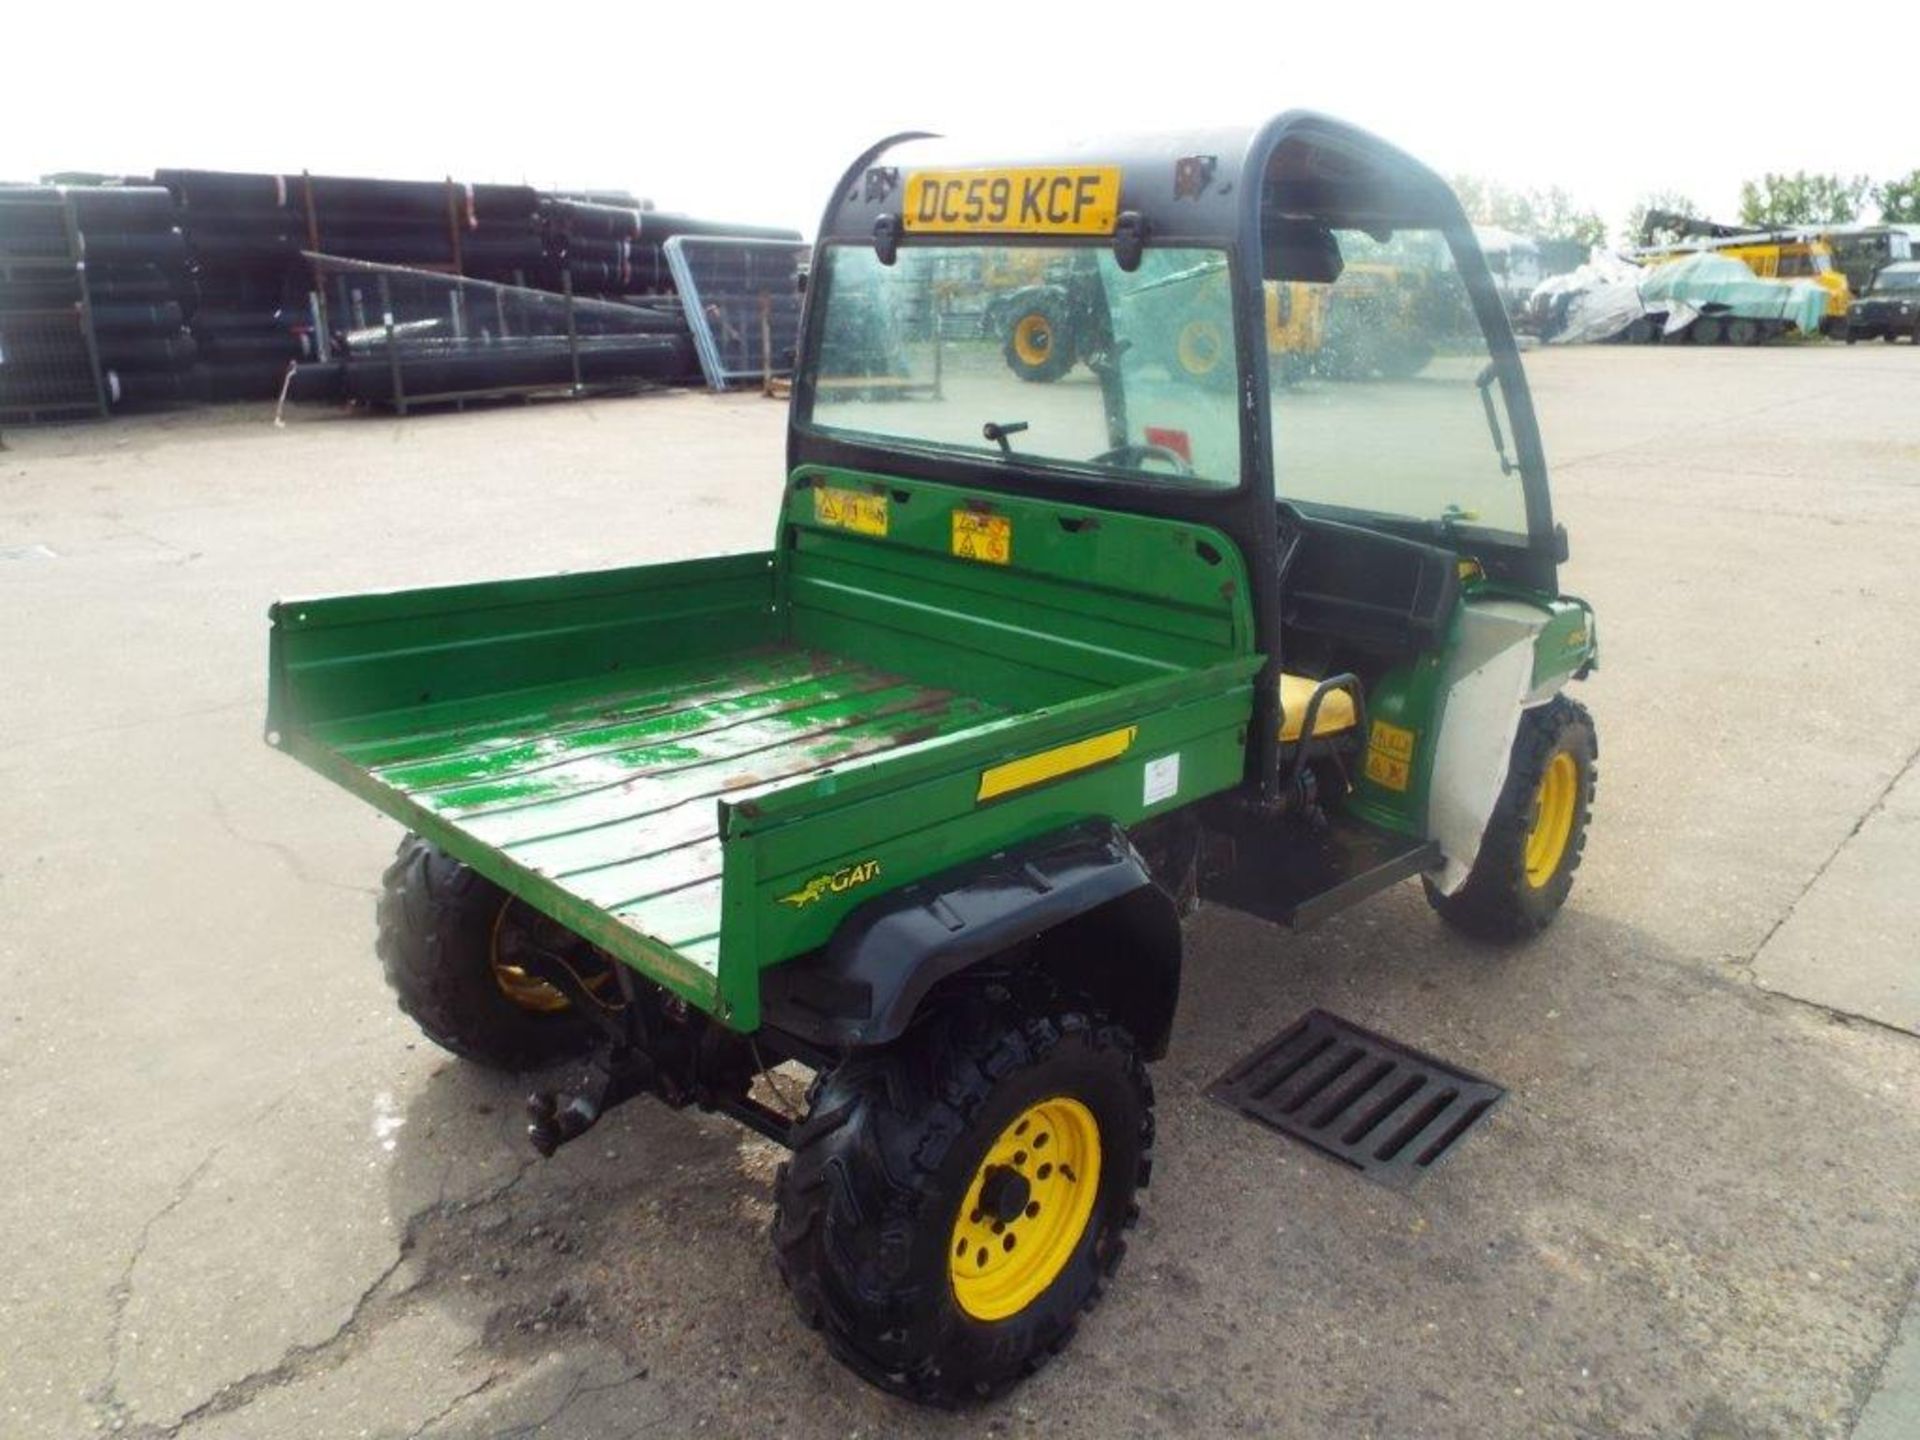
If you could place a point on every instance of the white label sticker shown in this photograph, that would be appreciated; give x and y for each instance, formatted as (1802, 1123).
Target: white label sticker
(1163, 779)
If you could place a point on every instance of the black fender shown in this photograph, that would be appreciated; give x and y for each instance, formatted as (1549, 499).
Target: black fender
(1083, 899)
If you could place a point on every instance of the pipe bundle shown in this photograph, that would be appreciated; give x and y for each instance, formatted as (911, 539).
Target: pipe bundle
(205, 289)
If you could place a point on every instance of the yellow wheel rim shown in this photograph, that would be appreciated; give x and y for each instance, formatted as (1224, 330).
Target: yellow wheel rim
(1033, 339)
(1199, 347)
(527, 991)
(1026, 1209)
(1554, 804)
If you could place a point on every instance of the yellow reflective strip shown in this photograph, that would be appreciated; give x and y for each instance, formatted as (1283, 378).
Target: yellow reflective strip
(1051, 764)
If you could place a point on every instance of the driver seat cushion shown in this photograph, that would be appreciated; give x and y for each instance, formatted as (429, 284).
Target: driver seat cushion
(1335, 715)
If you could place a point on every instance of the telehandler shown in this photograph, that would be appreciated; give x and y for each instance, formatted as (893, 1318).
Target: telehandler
(919, 796)
(1054, 323)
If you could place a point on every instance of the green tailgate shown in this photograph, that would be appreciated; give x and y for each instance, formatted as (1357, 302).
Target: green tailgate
(701, 767)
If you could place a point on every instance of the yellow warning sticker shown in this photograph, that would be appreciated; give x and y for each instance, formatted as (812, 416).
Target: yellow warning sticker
(854, 510)
(982, 537)
(1389, 755)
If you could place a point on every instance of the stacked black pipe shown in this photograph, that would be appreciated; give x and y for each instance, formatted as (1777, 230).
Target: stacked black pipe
(498, 233)
(203, 286)
(142, 293)
(47, 370)
(245, 234)
(593, 244)
(615, 251)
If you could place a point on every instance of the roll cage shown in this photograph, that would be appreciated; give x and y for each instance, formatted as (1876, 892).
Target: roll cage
(1234, 190)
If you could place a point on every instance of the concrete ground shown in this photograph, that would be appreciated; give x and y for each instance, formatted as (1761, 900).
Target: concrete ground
(245, 1199)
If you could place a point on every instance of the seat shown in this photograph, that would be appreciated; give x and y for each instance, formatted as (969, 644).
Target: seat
(1335, 714)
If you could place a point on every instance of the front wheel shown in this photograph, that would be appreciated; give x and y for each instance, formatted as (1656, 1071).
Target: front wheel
(1039, 345)
(1537, 832)
(957, 1200)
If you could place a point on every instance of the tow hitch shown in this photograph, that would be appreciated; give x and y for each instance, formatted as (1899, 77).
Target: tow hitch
(622, 1071)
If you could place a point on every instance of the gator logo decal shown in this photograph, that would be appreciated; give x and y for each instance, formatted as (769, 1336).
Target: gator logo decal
(833, 883)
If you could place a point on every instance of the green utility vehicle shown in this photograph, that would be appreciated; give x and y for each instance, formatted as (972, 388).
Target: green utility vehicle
(919, 796)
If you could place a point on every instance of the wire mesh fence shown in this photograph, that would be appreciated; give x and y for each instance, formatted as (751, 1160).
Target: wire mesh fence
(46, 372)
(48, 367)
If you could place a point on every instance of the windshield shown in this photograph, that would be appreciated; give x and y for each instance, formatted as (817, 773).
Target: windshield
(1797, 264)
(1896, 280)
(1384, 397)
(1034, 355)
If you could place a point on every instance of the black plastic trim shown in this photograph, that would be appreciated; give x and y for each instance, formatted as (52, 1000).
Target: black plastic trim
(864, 987)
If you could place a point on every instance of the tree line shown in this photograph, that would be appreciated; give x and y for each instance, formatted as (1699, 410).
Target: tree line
(1771, 202)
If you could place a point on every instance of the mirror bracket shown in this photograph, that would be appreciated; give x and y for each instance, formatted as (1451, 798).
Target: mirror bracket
(1129, 240)
(886, 238)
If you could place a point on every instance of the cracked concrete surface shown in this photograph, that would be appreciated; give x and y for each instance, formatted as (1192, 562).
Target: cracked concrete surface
(247, 1200)
(1851, 938)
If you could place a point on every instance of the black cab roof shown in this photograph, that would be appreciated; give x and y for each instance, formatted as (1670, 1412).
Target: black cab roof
(1190, 186)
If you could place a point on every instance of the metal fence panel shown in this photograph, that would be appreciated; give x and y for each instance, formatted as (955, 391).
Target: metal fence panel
(742, 303)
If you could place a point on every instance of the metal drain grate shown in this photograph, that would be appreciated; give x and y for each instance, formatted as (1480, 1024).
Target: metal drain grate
(1369, 1102)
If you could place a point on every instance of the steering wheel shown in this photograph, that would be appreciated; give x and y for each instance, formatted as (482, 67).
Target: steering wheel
(1136, 454)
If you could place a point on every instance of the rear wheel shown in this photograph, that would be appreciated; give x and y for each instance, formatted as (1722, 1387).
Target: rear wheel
(956, 1201)
(1404, 358)
(1039, 344)
(1537, 832)
(451, 943)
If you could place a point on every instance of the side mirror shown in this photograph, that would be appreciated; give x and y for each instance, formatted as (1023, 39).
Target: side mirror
(1300, 250)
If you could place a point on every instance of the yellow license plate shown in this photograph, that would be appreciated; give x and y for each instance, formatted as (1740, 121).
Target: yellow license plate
(853, 510)
(982, 537)
(1072, 200)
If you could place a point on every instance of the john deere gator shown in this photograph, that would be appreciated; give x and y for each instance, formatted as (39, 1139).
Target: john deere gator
(919, 796)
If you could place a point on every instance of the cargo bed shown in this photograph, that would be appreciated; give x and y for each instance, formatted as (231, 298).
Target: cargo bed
(720, 758)
(613, 796)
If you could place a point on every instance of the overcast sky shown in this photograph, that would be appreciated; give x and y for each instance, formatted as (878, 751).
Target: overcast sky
(741, 112)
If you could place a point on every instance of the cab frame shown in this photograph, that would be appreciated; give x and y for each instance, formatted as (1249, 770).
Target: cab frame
(1218, 189)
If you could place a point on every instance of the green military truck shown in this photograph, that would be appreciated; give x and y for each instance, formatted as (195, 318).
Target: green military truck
(919, 796)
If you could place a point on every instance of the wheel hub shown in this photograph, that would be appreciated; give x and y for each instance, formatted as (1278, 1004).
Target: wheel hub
(1026, 1209)
(1033, 339)
(519, 985)
(1555, 803)
(1006, 1194)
